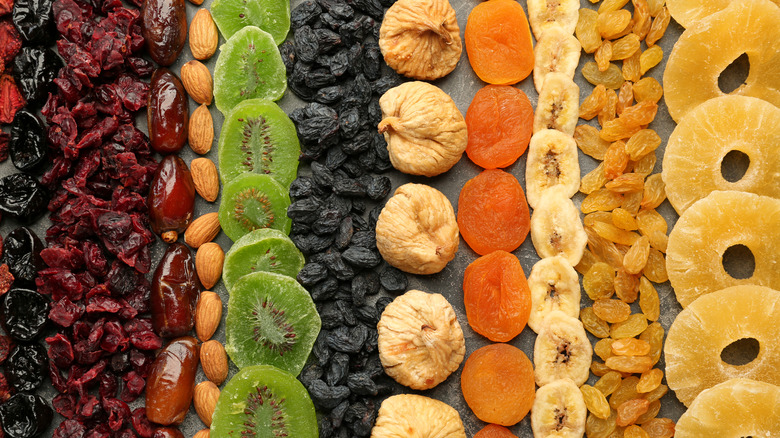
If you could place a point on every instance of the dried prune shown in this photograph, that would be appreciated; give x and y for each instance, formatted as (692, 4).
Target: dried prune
(27, 146)
(22, 197)
(26, 313)
(22, 254)
(25, 416)
(26, 367)
(35, 21)
(35, 69)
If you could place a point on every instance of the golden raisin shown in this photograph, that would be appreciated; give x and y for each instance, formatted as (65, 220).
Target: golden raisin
(650, 220)
(625, 97)
(635, 431)
(636, 258)
(615, 234)
(625, 46)
(592, 323)
(642, 143)
(650, 58)
(649, 380)
(586, 262)
(588, 140)
(612, 310)
(587, 30)
(655, 6)
(604, 249)
(649, 303)
(592, 105)
(642, 18)
(603, 55)
(601, 200)
(599, 281)
(655, 269)
(657, 29)
(654, 335)
(630, 410)
(611, 5)
(645, 165)
(618, 129)
(623, 219)
(630, 347)
(659, 428)
(631, 202)
(609, 111)
(631, 67)
(655, 191)
(627, 183)
(597, 216)
(626, 391)
(640, 114)
(593, 180)
(611, 78)
(595, 401)
(596, 427)
(613, 23)
(598, 368)
(608, 383)
(626, 285)
(615, 160)
(652, 412)
(647, 89)
(603, 348)
(631, 327)
(658, 240)
(657, 393)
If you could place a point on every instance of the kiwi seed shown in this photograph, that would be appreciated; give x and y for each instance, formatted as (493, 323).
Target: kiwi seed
(257, 128)
(264, 398)
(262, 217)
(272, 328)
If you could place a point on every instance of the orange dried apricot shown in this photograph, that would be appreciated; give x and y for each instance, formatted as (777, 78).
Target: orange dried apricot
(494, 431)
(493, 213)
(496, 296)
(500, 123)
(498, 384)
(502, 54)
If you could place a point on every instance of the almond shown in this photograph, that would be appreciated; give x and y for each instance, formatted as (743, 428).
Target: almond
(201, 130)
(208, 264)
(201, 230)
(208, 314)
(196, 78)
(203, 433)
(205, 177)
(204, 36)
(205, 400)
(214, 361)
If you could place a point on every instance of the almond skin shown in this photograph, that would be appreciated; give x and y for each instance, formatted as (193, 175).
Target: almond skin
(208, 314)
(214, 361)
(196, 78)
(201, 230)
(204, 35)
(206, 179)
(203, 433)
(208, 264)
(201, 130)
(205, 400)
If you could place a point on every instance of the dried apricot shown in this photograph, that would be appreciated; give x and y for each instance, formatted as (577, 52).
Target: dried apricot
(498, 384)
(495, 431)
(500, 122)
(493, 213)
(502, 54)
(496, 296)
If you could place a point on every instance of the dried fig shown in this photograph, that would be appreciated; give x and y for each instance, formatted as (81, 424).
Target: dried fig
(425, 131)
(421, 38)
(420, 340)
(417, 231)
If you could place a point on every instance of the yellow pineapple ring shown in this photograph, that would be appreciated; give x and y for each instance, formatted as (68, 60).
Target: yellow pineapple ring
(736, 408)
(688, 12)
(705, 50)
(694, 254)
(701, 331)
(696, 148)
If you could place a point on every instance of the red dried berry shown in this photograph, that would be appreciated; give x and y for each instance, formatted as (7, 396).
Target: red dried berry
(5, 138)
(6, 391)
(6, 345)
(10, 43)
(6, 6)
(6, 279)
(11, 99)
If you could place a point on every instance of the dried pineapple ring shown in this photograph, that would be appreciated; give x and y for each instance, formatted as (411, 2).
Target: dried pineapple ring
(696, 148)
(421, 38)
(703, 52)
(711, 226)
(701, 331)
(420, 340)
(688, 12)
(735, 408)
(411, 415)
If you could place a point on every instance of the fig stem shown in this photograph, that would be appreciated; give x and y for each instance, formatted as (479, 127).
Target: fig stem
(389, 123)
(438, 29)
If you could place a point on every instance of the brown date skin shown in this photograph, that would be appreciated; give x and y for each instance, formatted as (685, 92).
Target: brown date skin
(175, 292)
(171, 198)
(167, 113)
(168, 432)
(164, 27)
(171, 382)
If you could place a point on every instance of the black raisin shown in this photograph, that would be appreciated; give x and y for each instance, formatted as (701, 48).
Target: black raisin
(320, 77)
(301, 187)
(350, 123)
(310, 372)
(325, 289)
(361, 257)
(348, 340)
(323, 176)
(287, 49)
(327, 40)
(343, 205)
(393, 280)
(305, 13)
(27, 146)
(372, 61)
(359, 92)
(26, 313)
(362, 418)
(331, 21)
(327, 222)
(379, 187)
(327, 397)
(367, 314)
(321, 350)
(359, 144)
(338, 8)
(348, 311)
(349, 187)
(354, 54)
(338, 369)
(352, 32)
(386, 82)
(366, 239)
(331, 316)
(338, 267)
(344, 233)
(337, 414)
(381, 303)
(306, 44)
(305, 210)
(329, 95)
(361, 383)
(312, 273)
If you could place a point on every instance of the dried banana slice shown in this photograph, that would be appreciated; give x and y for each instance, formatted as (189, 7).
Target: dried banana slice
(556, 228)
(552, 161)
(562, 350)
(420, 340)
(559, 104)
(554, 286)
(559, 411)
(421, 38)
(410, 415)
(556, 51)
(543, 14)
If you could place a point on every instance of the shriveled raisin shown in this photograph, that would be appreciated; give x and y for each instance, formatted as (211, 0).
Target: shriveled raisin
(625, 97)
(603, 55)
(659, 428)
(611, 311)
(627, 183)
(650, 58)
(608, 383)
(593, 180)
(642, 143)
(652, 411)
(632, 68)
(611, 78)
(654, 335)
(596, 427)
(613, 23)
(630, 347)
(649, 380)
(595, 401)
(631, 202)
(601, 200)
(587, 137)
(649, 302)
(636, 258)
(626, 391)
(648, 89)
(611, 5)
(615, 234)
(604, 249)
(631, 327)
(609, 112)
(645, 165)
(587, 30)
(615, 160)
(586, 262)
(634, 431)
(592, 105)
(623, 219)
(629, 411)
(625, 47)
(655, 269)
(657, 29)
(603, 348)
(599, 281)
(654, 193)
(642, 18)
(592, 323)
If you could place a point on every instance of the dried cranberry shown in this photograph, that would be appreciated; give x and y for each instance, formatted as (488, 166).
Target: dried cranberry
(64, 312)
(5, 139)
(70, 429)
(65, 405)
(60, 350)
(118, 413)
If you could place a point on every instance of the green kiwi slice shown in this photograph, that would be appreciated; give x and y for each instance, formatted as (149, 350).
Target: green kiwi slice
(273, 16)
(264, 249)
(249, 66)
(253, 201)
(262, 401)
(271, 320)
(257, 136)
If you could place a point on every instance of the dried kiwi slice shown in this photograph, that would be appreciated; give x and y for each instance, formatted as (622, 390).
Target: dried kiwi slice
(257, 136)
(264, 249)
(264, 401)
(253, 201)
(249, 66)
(273, 16)
(271, 320)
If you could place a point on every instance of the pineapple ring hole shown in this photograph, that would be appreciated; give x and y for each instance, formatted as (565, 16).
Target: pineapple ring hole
(734, 166)
(739, 262)
(735, 75)
(741, 352)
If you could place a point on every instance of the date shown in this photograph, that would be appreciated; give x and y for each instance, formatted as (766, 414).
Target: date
(171, 382)
(167, 113)
(171, 198)
(175, 291)
(164, 29)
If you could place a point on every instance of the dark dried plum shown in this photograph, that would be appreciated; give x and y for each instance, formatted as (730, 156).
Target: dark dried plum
(25, 416)
(22, 197)
(22, 253)
(27, 146)
(34, 70)
(26, 367)
(35, 21)
(26, 313)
